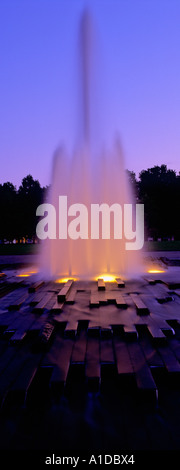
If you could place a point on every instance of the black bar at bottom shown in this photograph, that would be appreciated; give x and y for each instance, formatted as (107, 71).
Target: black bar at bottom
(79, 458)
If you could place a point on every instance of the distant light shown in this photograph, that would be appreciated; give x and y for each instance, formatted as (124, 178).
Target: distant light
(27, 273)
(23, 275)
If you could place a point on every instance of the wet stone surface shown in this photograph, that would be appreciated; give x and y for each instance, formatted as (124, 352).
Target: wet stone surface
(90, 364)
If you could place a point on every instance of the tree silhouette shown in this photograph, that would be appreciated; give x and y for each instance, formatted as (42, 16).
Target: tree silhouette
(18, 208)
(158, 188)
(30, 195)
(159, 191)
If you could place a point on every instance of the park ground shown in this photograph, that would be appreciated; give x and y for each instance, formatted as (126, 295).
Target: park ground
(28, 249)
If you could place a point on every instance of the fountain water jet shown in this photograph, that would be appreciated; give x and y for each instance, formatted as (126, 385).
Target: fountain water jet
(90, 176)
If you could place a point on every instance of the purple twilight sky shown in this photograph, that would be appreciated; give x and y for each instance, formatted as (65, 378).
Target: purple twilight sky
(138, 43)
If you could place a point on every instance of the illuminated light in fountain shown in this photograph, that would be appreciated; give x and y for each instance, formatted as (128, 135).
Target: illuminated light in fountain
(156, 271)
(106, 278)
(65, 279)
(93, 175)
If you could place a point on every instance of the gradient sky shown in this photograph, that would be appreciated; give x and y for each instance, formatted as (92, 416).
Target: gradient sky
(138, 44)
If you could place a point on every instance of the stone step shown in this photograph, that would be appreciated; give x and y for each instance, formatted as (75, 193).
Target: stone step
(63, 293)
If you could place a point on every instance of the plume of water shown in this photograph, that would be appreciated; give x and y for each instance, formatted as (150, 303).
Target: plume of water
(89, 176)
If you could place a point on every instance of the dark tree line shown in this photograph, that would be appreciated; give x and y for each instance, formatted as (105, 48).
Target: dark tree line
(18, 209)
(157, 188)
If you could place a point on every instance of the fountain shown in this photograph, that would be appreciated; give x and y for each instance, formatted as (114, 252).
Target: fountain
(93, 175)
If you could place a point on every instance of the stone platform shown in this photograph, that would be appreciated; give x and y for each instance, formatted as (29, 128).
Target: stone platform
(90, 364)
